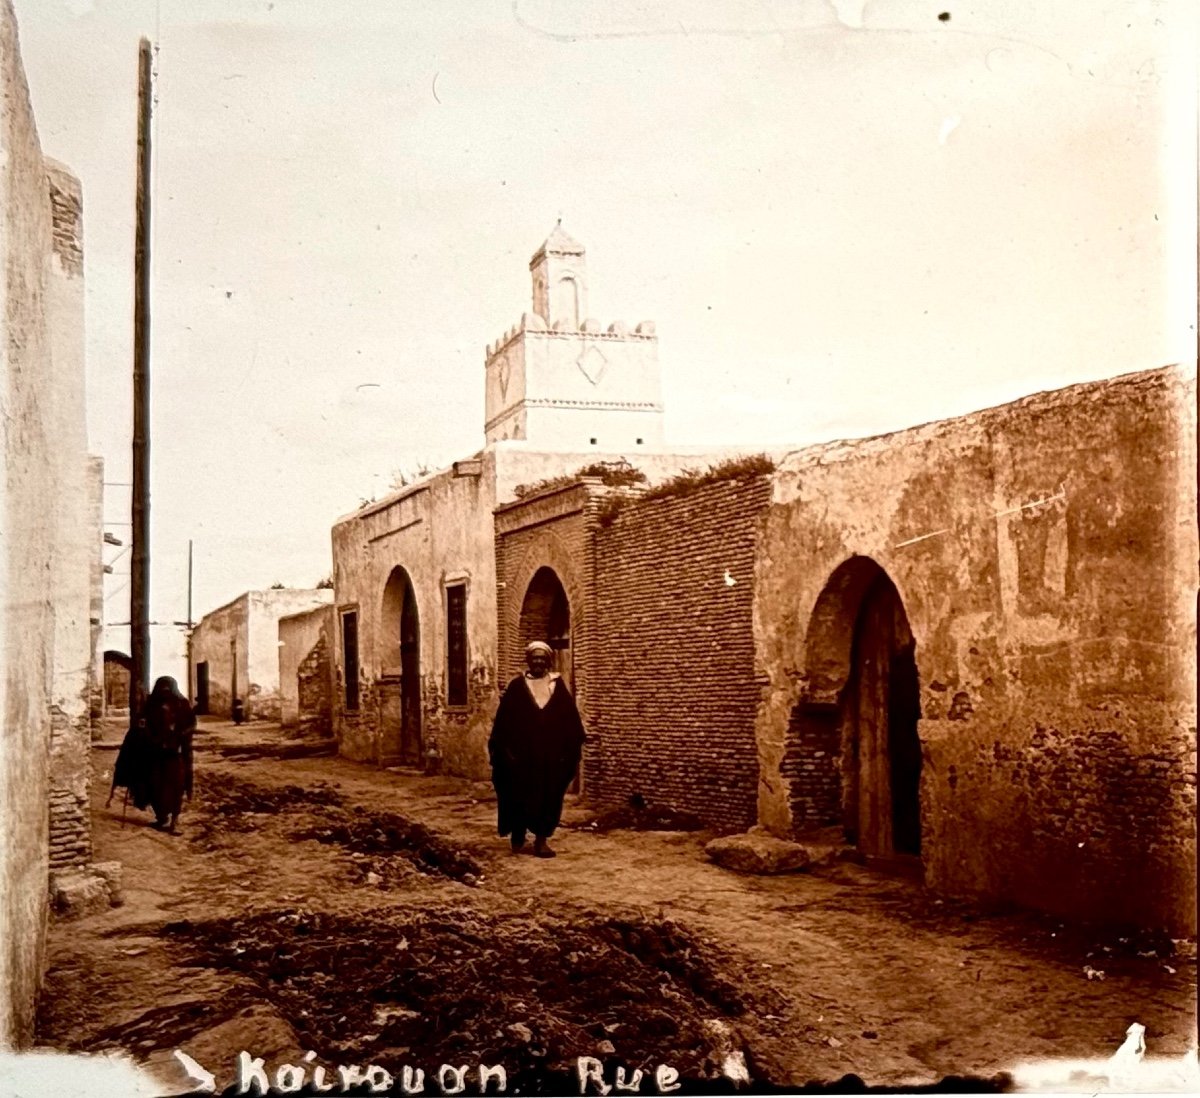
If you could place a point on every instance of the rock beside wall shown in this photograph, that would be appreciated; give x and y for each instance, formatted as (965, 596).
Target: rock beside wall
(757, 851)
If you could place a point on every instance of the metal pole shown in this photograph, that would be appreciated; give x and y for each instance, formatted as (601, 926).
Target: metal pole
(139, 596)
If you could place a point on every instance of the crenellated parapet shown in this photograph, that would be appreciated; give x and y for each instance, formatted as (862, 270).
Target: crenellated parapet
(590, 328)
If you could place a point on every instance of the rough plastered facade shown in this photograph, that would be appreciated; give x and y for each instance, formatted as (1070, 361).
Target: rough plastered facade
(78, 547)
(415, 573)
(978, 638)
(49, 542)
(306, 670)
(236, 648)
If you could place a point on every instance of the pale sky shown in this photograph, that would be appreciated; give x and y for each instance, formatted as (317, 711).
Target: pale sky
(845, 218)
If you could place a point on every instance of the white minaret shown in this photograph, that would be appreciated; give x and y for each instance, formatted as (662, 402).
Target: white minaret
(559, 269)
(561, 381)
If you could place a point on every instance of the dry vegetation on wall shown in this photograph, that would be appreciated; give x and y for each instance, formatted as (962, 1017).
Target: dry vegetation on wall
(687, 481)
(612, 474)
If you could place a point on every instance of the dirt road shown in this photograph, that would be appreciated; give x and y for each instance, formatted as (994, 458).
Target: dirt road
(373, 916)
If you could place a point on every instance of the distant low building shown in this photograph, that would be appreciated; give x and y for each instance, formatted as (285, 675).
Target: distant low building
(233, 651)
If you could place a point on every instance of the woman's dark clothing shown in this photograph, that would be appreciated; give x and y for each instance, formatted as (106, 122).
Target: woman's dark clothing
(155, 760)
(534, 753)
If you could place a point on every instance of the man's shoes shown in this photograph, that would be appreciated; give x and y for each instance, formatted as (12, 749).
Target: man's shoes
(518, 846)
(541, 850)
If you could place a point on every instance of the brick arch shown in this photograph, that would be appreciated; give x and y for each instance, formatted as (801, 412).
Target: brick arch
(548, 552)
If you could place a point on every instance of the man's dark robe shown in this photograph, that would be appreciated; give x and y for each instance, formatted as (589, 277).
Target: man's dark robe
(535, 753)
(155, 760)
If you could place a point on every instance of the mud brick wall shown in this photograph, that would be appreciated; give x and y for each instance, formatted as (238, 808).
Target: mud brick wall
(810, 766)
(673, 684)
(70, 773)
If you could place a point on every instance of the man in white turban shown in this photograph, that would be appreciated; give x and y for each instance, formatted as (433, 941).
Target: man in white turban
(535, 746)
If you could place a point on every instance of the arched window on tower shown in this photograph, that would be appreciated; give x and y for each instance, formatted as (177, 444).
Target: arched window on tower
(566, 301)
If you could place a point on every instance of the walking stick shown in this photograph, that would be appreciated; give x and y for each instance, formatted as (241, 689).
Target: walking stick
(124, 806)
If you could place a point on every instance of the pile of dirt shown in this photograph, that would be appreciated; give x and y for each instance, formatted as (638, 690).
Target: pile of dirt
(643, 818)
(230, 804)
(391, 846)
(459, 986)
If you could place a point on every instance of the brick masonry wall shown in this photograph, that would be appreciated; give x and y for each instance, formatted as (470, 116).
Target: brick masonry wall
(70, 770)
(811, 765)
(552, 530)
(673, 684)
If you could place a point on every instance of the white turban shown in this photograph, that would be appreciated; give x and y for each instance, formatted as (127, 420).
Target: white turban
(538, 646)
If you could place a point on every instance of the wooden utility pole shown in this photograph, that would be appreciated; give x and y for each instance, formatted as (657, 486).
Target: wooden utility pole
(190, 685)
(139, 594)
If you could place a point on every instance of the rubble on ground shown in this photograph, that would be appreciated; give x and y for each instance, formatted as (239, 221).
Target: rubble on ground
(757, 851)
(445, 985)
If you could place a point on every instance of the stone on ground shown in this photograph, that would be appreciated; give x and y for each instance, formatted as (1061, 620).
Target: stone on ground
(110, 873)
(757, 851)
(78, 893)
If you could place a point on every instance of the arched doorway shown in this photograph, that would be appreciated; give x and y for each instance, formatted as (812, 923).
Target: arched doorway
(858, 716)
(400, 674)
(117, 669)
(881, 754)
(546, 616)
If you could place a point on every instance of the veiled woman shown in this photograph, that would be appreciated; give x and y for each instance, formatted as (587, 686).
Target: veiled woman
(535, 746)
(155, 761)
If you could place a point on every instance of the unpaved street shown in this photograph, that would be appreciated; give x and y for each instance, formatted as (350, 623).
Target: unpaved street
(373, 916)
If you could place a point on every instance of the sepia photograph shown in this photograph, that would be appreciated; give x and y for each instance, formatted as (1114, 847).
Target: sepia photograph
(597, 547)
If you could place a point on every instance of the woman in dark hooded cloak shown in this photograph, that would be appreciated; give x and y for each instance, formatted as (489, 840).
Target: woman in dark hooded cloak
(155, 761)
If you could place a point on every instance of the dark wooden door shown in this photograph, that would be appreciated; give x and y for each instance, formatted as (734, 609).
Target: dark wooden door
(410, 681)
(881, 750)
(202, 687)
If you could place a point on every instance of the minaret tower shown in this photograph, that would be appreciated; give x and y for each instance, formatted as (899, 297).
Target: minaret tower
(559, 269)
(561, 382)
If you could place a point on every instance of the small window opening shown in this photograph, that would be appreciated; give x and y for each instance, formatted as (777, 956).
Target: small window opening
(456, 642)
(350, 656)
